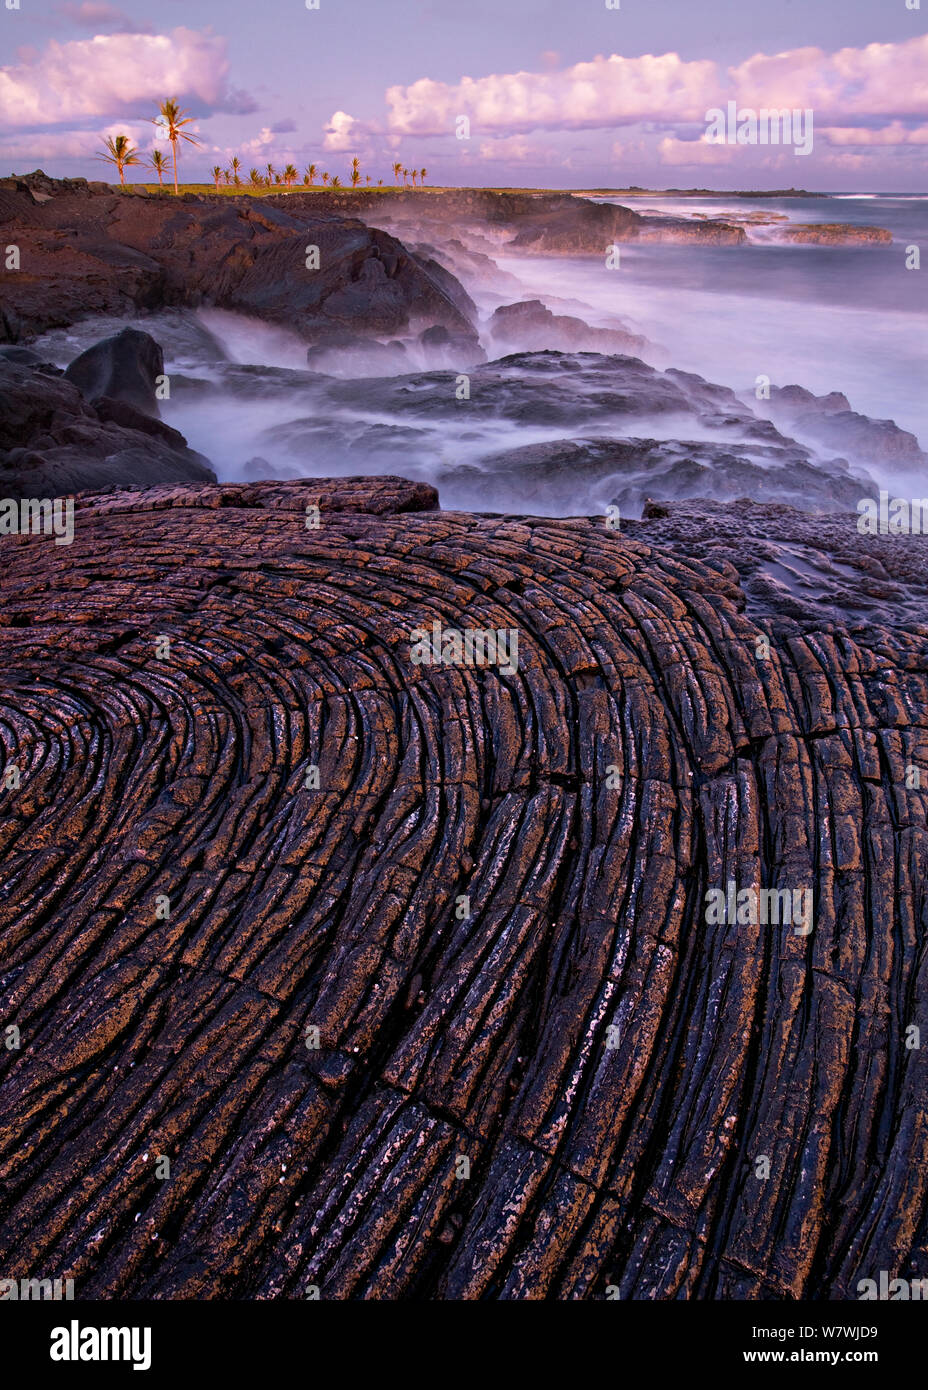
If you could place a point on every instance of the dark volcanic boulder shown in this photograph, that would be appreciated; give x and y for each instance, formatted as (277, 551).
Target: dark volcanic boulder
(570, 476)
(38, 182)
(530, 326)
(32, 404)
(118, 412)
(54, 442)
(435, 337)
(124, 368)
(830, 421)
(561, 225)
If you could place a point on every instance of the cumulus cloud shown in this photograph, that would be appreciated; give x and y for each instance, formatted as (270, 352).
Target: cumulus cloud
(111, 74)
(260, 142)
(338, 133)
(604, 92)
(92, 15)
(893, 134)
(851, 163)
(871, 87)
(854, 85)
(32, 150)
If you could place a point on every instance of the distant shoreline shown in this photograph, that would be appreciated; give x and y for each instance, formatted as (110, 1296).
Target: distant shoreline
(635, 192)
(437, 189)
(201, 188)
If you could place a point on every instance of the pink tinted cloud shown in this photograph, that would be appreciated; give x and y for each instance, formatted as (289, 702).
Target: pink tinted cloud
(873, 86)
(112, 74)
(894, 134)
(606, 91)
(338, 134)
(516, 149)
(71, 144)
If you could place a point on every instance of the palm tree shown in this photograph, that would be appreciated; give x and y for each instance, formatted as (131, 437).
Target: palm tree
(217, 176)
(369, 179)
(159, 163)
(397, 170)
(405, 177)
(227, 175)
(336, 182)
(255, 178)
(290, 175)
(380, 183)
(355, 172)
(422, 174)
(325, 179)
(236, 165)
(311, 174)
(270, 174)
(174, 119)
(121, 152)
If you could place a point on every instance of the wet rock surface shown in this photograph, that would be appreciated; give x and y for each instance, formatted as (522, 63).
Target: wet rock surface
(54, 441)
(599, 410)
(604, 429)
(830, 421)
(84, 252)
(535, 224)
(835, 234)
(709, 231)
(624, 472)
(531, 326)
(124, 367)
(610, 1066)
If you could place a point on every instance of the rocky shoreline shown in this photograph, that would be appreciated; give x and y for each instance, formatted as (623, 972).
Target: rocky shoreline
(85, 248)
(87, 252)
(97, 424)
(91, 252)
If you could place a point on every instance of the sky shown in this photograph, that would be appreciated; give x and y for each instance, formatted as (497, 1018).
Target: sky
(557, 93)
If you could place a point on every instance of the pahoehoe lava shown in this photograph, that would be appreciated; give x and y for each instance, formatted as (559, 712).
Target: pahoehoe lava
(640, 754)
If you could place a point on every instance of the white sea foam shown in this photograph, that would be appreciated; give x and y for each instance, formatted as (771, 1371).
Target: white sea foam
(728, 314)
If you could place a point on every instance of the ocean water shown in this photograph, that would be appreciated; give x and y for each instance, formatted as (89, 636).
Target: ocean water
(848, 319)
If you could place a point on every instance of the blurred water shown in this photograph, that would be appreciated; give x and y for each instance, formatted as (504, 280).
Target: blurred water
(827, 318)
(850, 319)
